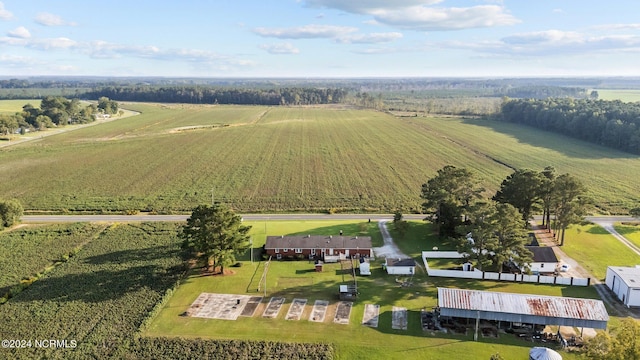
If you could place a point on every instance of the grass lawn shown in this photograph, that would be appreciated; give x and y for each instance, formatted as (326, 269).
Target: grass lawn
(14, 106)
(596, 249)
(297, 279)
(630, 232)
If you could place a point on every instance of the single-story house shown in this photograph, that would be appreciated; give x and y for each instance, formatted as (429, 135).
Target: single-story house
(625, 283)
(544, 259)
(318, 246)
(400, 266)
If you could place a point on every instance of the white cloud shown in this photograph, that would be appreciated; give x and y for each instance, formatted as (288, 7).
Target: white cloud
(20, 32)
(551, 43)
(421, 15)
(372, 38)
(617, 27)
(552, 37)
(4, 13)
(431, 18)
(40, 44)
(48, 19)
(366, 6)
(280, 49)
(18, 61)
(305, 32)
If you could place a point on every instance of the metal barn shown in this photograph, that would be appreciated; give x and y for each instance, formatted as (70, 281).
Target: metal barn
(522, 308)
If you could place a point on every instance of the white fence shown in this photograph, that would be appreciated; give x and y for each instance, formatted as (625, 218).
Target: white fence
(477, 274)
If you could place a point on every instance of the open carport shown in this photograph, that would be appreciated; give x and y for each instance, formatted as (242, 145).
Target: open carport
(522, 308)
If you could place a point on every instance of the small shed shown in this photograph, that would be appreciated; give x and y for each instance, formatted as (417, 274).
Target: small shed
(543, 353)
(544, 259)
(625, 283)
(400, 266)
(348, 292)
(365, 268)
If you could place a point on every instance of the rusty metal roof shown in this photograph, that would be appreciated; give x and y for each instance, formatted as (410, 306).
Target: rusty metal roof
(523, 304)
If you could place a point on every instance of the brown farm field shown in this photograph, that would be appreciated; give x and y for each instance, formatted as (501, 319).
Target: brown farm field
(172, 157)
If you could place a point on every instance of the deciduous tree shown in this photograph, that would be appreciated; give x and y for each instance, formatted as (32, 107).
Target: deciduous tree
(10, 212)
(624, 345)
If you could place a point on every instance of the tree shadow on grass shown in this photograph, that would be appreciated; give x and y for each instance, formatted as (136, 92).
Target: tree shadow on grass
(107, 276)
(546, 139)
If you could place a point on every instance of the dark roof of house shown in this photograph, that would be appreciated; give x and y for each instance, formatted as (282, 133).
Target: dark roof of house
(543, 254)
(318, 242)
(400, 262)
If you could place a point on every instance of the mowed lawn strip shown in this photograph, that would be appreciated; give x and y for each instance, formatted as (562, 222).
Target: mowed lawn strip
(630, 232)
(595, 249)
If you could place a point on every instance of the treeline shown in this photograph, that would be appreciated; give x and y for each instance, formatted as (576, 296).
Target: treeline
(615, 124)
(209, 95)
(543, 92)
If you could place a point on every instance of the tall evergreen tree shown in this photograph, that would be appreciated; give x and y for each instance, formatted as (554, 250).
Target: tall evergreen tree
(215, 234)
(522, 189)
(448, 196)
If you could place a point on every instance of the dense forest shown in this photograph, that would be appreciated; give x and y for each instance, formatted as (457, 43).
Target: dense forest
(209, 95)
(615, 124)
(276, 91)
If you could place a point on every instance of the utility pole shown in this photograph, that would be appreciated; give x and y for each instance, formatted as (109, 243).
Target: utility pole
(212, 203)
(251, 243)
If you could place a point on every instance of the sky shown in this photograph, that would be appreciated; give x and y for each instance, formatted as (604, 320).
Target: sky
(320, 38)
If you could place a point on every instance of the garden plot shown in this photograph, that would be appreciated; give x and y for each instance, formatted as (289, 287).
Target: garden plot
(273, 308)
(319, 310)
(296, 309)
(343, 312)
(218, 306)
(251, 306)
(399, 318)
(371, 315)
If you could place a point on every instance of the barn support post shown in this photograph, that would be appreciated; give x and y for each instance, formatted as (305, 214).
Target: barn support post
(475, 336)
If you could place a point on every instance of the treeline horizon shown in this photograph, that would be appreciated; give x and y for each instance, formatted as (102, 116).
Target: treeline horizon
(613, 124)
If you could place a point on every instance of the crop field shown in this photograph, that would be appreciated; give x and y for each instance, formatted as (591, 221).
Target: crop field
(98, 298)
(626, 95)
(258, 159)
(27, 252)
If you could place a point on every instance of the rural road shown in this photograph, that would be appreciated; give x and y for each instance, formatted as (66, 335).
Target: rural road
(248, 217)
(600, 220)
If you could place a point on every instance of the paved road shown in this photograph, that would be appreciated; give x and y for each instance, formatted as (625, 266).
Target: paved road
(249, 217)
(259, 217)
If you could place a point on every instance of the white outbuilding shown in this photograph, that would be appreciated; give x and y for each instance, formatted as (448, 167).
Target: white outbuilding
(365, 268)
(625, 283)
(400, 266)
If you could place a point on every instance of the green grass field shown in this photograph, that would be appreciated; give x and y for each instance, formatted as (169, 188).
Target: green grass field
(595, 249)
(626, 95)
(630, 231)
(14, 106)
(259, 159)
